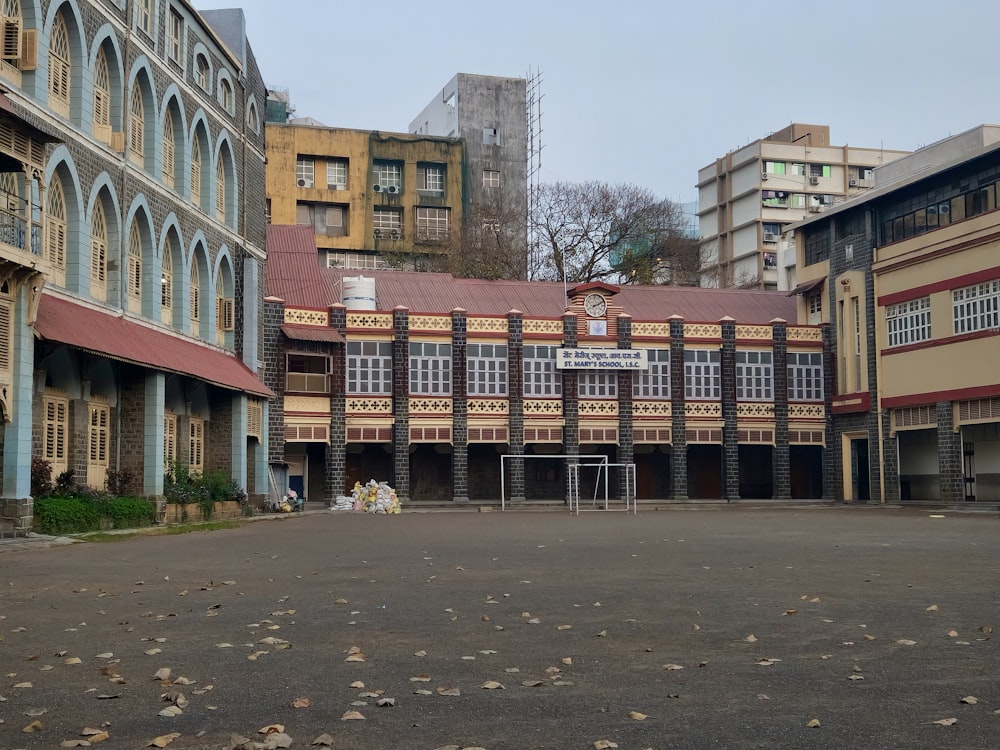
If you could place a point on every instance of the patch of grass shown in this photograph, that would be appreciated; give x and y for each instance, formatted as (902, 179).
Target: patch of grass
(182, 528)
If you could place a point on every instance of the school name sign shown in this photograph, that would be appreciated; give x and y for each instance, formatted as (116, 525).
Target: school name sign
(601, 359)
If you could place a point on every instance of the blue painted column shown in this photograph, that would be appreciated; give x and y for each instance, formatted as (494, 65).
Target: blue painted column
(17, 432)
(239, 440)
(152, 454)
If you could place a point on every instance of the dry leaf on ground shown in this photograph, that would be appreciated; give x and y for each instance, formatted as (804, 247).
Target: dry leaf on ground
(946, 722)
(164, 739)
(351, 715)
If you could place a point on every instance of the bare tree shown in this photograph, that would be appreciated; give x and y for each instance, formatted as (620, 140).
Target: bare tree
(593, 231)
(492, 243)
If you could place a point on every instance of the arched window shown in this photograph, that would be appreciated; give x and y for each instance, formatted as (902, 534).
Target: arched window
(196, 171)
(137, 126)
(55, 233)
(59, 67)
(168, 150)
(226, 95)
(224, 309)
(201, 73)
(195, 298)
(167, 284)
(102, 98)
(253, 122)
(135, 269)
(220, 190)
(98, 253)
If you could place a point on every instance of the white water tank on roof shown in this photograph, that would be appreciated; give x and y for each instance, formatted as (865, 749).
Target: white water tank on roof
(359, 293)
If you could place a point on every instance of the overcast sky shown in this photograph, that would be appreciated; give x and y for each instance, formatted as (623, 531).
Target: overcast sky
(645, 92)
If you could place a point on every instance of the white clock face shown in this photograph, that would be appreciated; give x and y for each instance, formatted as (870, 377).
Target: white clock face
(595, 305)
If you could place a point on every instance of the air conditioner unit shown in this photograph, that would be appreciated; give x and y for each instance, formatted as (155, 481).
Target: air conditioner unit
(763, 175)
(815, 209)
(394, 234)
(377, 188)
(392, 190)
(377, 233)
(302, 182)
(814, 180)
(854, 182)
(770, 237)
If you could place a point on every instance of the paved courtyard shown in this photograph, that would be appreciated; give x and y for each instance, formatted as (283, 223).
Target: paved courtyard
(689, 628)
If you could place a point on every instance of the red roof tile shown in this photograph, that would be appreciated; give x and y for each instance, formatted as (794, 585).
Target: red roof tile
(111, 335)
(294, 274)
(311, 333)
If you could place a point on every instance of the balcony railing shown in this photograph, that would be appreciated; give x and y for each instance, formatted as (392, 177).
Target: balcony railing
(13, 232)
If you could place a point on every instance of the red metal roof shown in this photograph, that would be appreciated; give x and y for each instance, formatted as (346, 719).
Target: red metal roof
(294, 274)
(311, 333)
(111, 335)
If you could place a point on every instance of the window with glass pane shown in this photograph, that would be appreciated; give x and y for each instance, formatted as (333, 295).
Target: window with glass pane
(175, 35)
(369, 367)
(654, 382)
(754, 376)
(486, 366)
(542, 379)
(598, 384)
(430, 369)
(977, 307)
(385, 221)
(805, 376)
(336, 174)
(388, 174)
(430, 178)
(702, 374)
(491, 178)
(305, 172)
(908, 322)
(432, 223)
(307, 373)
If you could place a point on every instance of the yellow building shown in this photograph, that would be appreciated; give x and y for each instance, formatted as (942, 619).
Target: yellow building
(374, 199)
(908, 281)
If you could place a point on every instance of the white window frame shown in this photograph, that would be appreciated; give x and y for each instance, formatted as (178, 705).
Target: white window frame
(597, 384)
(144, 16)
(369, 368)
(491, 178)
(805, 376)
(542, 379)
(305, 172)
(702, 374)
(202, 71)
(908, 322)
(388, 174)
(754, 375)
(336, 174)
(486, 369)
(430, 368)
(654, 382)
(433, 223)
(976, 308)
(430, 178)
(386, 221)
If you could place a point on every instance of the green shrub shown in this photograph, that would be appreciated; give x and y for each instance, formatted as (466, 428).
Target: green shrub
(128, 512)
(66, 515)
(182, 487)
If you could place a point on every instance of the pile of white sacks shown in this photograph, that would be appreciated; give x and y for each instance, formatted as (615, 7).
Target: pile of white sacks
(373, 497)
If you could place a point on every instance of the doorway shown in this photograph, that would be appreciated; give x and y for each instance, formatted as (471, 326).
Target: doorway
(860, 470)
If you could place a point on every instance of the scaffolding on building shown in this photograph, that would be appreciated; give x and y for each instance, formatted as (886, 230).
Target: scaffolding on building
(533, 94)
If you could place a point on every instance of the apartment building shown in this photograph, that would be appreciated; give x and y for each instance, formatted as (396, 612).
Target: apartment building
(133, 243)
(489, 114)
(425, 380)
(748, 198)
(907, 282)
(373, 199)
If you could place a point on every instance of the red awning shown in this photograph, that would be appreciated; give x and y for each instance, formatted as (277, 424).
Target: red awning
(312, 333)
(807, 286)
(110, 335)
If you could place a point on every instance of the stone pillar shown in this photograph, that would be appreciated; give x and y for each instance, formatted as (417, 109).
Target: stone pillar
(951, 473)
(571, 399)
(890, 461)
(782, 457)
(515, 397)
(153, 413)
(730, 443)
(401, 402)
(17, 431)
(273, 375)
(678, 422)
(261, 480)
(335, 468)
(626, 435)
(459, 407)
